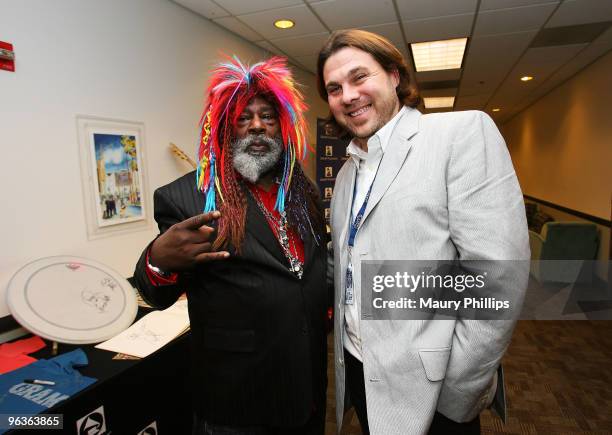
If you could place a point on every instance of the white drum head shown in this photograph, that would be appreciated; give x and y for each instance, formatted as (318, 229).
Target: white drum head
(71, 300)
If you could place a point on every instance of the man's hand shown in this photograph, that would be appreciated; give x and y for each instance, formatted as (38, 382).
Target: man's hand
(186, 244)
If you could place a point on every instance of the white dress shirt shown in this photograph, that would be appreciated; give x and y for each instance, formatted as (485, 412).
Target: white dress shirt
(367, 163)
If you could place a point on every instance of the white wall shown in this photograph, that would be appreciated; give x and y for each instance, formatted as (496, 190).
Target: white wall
(561, 145)
(138, 60)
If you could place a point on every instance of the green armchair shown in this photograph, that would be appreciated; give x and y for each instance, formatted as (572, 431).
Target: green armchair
(562, 241)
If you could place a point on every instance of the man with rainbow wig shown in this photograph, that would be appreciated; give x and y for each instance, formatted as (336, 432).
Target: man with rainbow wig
(244, 237)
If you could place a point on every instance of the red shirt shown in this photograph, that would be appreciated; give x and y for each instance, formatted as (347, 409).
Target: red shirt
(268, 199)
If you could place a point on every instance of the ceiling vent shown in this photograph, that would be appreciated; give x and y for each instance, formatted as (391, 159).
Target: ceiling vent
(567, 35)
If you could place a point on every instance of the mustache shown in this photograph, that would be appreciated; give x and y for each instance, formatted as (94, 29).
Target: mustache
(251, 139)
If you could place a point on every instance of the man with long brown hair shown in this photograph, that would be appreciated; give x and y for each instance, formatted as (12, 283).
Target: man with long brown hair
(416, 187)
(244, 237)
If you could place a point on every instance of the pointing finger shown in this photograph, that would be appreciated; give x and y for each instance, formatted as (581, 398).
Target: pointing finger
(199, 220)
(211, 256)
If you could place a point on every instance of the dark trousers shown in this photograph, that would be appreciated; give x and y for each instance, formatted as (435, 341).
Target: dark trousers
(355, 387)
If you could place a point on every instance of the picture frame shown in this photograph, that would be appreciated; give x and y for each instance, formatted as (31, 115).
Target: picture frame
(113, 175)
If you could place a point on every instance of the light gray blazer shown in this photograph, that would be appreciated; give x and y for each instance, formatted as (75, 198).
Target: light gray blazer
(445, 189)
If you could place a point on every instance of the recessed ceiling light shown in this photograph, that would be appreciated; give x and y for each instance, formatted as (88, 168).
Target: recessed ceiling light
(438, 102)
(438, 55)
(497, 109)
(526, 78)
(284, 24)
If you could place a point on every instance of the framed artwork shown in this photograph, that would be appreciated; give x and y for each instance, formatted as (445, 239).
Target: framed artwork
(113, 175)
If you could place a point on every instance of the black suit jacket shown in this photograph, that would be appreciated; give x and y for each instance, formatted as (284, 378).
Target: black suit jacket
(258, 333)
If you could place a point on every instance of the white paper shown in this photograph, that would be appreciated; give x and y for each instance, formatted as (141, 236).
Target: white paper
(152, 332)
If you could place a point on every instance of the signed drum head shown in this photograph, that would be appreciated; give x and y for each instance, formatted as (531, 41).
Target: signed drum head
(71, 300)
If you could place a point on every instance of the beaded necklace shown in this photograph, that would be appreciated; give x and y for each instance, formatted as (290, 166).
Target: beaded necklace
(280, 224)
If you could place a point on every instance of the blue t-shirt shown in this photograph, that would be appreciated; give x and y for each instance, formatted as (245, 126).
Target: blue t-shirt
(21, 398)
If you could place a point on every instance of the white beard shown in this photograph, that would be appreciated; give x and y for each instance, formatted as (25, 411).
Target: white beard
(252, 165)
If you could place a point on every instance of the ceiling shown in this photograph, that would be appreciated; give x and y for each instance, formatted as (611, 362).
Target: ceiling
(549, 40)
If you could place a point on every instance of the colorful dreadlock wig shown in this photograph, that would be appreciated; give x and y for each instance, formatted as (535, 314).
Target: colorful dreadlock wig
(232, 86)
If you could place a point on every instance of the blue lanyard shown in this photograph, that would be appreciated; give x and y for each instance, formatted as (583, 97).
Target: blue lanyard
(355, 224)
(348, 292)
